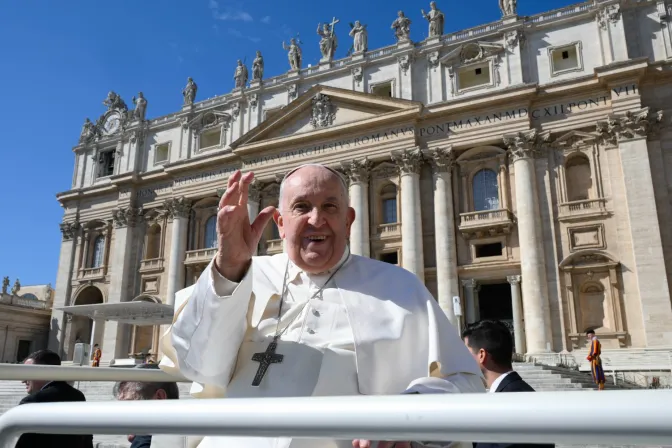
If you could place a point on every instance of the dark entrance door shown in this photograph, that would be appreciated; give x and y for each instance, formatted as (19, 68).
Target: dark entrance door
(494, 303)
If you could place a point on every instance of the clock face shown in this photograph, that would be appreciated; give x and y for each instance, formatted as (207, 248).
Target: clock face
(112, 123)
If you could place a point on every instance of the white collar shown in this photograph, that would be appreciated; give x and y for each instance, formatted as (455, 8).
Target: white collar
(294, 270)
(498, 381)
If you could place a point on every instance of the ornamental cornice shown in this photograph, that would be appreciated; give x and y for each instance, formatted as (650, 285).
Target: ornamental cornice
(523, 145)
(179, 207)
(441, 159)
(357, 170)
(69, 229)
(608, 14)
(408, 161)
(630, 125)
(126, 217)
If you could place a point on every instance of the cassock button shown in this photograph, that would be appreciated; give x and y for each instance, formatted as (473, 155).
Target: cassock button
(316, 313)
(311, 331)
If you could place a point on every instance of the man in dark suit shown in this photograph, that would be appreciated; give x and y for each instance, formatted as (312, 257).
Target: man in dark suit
(41, 391)
(134, 390)
(491, 344)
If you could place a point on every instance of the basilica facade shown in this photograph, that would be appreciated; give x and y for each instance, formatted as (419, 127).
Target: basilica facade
(519, 168)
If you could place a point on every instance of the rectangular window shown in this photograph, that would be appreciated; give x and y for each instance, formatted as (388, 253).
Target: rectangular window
(389, 211)
(23, 350)
(390, 257)
(211, 138)
(383, 89)
(565, 59)
(161, 153)
(106, 163)
(473, 77)
(489, 250)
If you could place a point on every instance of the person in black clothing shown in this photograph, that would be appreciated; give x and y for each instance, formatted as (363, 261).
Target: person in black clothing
(132, 390)
(41, 391)
(491, 344)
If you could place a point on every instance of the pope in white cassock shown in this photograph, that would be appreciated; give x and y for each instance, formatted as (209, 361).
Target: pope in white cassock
(313, 321)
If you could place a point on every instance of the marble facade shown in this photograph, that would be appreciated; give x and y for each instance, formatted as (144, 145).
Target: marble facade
(520, 166)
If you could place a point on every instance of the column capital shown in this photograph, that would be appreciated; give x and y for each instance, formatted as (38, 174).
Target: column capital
(126, 217)
(178, 207)
(514, 279)
(254, 191)
(471, 284)
(441, 159)
(630, 125)
(69, 229)
(357, 170)
(527, 144)
(408, 161)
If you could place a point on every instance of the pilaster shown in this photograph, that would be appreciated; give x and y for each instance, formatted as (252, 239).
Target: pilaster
(357, 172)
(405, 65)
(443, 162)
(517, 308)
(408, 164)
(524, 146)
(629, 132)
(179, 210)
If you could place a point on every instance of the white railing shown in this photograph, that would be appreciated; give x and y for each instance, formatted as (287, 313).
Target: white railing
(21, 372)
(619, 418)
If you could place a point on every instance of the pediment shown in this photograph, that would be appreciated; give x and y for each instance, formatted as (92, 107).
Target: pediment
(324, 110)
(471, 52)
(574, 140)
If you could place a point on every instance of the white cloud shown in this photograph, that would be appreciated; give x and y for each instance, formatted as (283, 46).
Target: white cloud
(213, 4)
(229, 12)
(236, 33)
(266, 19)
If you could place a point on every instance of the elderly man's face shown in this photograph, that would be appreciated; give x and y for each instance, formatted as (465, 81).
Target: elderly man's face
(314, 218)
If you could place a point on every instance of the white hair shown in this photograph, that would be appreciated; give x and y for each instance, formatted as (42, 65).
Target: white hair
(343, 183)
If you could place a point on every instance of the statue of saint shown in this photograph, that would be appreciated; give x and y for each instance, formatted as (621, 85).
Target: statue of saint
(402, 27)
(88, 131)
(189, 92)
(140, 107)
(5, 285)
(508, 7)
(16, 287)
(435, 19)
(360, 37)
(258, 67)
(293, 54)
(114, 101)
(240, 76)
(328, 41)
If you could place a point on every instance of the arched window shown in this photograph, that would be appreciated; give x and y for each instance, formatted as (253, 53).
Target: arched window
(153, 249)
(485, 190)
(29, 296)
(388, 197)
(98, 251)
(211, 232)
(578, 178)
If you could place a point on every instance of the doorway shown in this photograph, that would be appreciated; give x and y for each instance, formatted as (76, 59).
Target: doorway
(494, 303)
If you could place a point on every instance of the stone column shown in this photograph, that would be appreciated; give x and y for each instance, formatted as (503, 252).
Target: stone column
(178, 209)
(470, 292)
(357, 172)
(435, 78)
(532, 261)
(66, 267)
(630, 132)
(409, 163)
(115, 334)
(448, 286)
(517, 307)
(253, 201)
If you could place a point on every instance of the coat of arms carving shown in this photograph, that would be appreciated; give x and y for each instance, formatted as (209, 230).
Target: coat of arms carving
(323, 113)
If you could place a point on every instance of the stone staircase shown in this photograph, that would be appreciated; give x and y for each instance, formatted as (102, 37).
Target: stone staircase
(540, 377)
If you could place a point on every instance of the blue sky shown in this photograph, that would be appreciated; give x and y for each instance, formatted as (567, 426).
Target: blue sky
(61, 58)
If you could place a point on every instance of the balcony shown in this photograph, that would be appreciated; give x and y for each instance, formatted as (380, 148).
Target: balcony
(151, 265)
(6, 299)
(486, 223)
(389, 231)
(273, 247)
(583, 210)
(92, 274)
(199, 256)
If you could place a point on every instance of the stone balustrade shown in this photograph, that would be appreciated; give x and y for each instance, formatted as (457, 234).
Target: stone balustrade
(151, 265)
(590, 208)
(391, 230)
(7, 299)
(273, 247)
(486, 222)
(91, 274)
(200, 256)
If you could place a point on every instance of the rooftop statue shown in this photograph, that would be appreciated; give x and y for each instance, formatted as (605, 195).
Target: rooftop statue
(240, 76)
(258, 67)
(435, 19)
(402, 27)
(360, 37)
(293, 54)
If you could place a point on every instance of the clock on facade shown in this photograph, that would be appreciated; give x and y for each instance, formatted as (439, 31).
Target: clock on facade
(112, 123)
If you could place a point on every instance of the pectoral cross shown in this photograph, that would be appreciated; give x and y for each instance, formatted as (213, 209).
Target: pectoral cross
(265, 359)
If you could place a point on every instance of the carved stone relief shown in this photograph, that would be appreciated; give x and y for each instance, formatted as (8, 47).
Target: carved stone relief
(323, 111)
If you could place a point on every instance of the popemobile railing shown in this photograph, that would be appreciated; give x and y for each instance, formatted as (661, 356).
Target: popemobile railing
(607, 418)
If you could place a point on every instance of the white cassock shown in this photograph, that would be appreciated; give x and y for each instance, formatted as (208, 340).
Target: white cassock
(374, 330)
